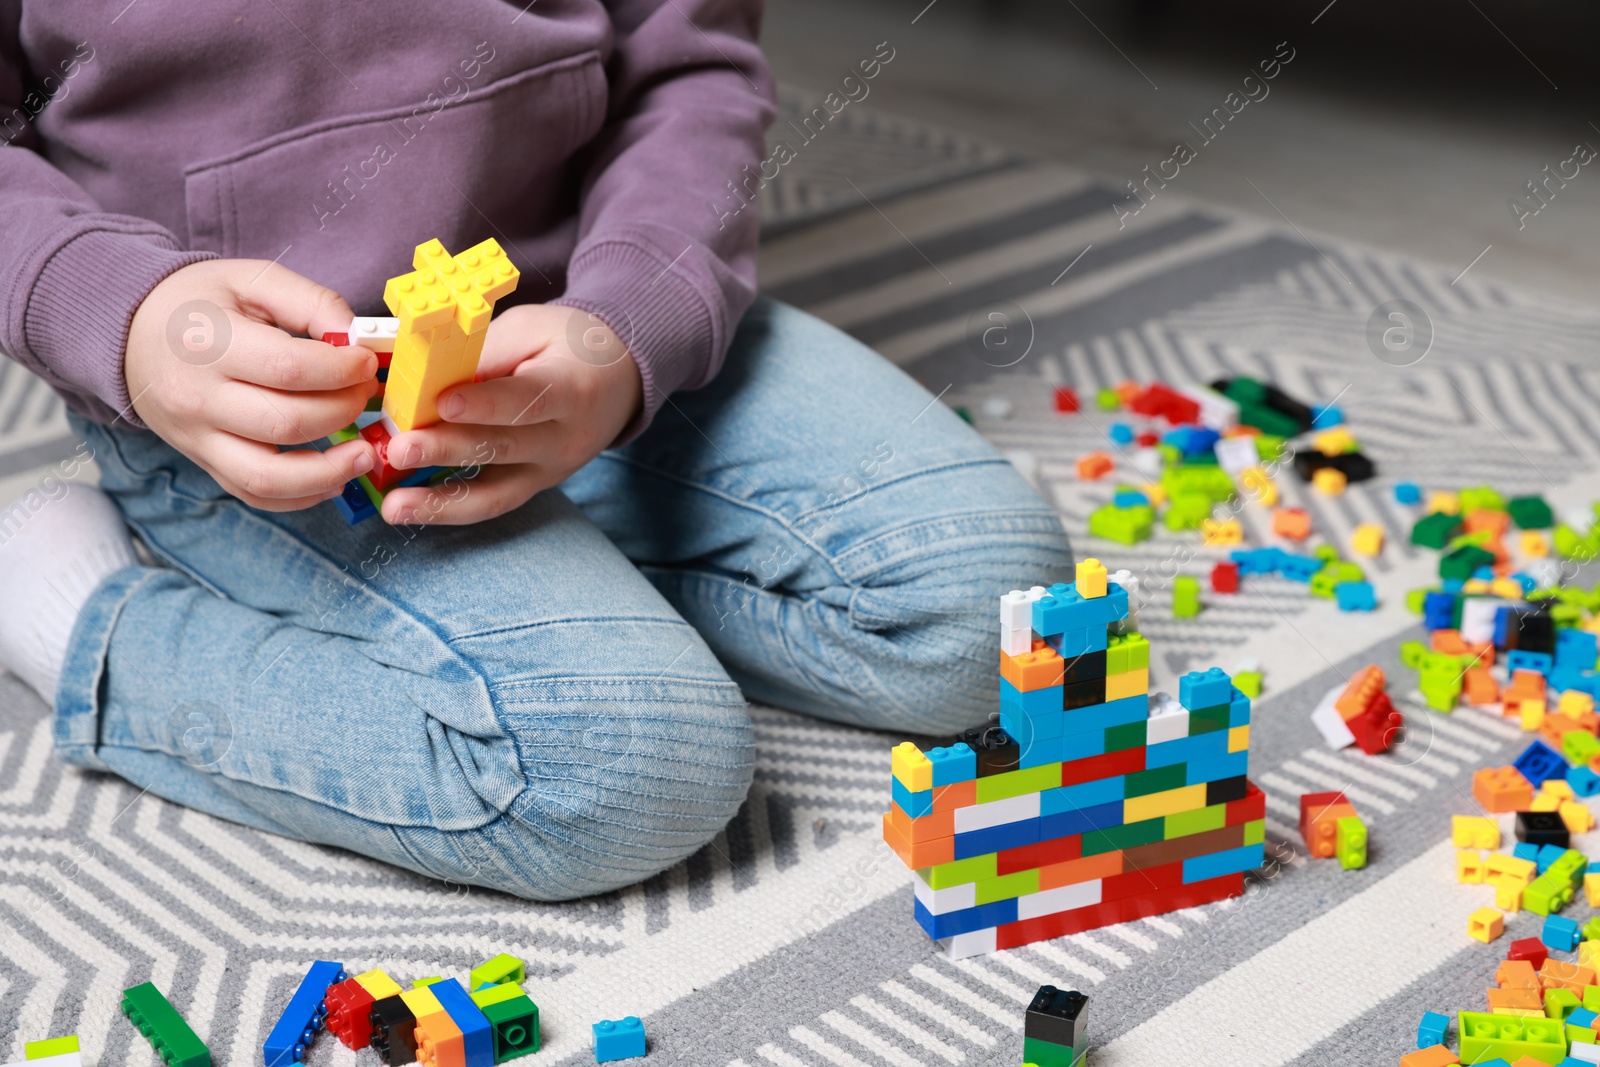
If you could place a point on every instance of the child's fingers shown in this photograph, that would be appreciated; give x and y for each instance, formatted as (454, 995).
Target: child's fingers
(461, 501)
(449, 445)
(285, 418)
(263, 477)
(265, 355)
(540, 390)
(292, 301)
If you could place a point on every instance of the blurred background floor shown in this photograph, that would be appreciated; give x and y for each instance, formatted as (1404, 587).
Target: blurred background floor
(1408, 128)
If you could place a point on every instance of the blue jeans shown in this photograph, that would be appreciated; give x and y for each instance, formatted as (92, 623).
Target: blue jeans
(552, 703)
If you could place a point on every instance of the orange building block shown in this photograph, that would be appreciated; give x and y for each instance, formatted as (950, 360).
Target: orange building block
(1449, 642)
(1094, 465)
(1501, 789)
(1481, 688)
(1071, 872)
(1038, 669)
(958, 795)
(1515, 1001)
(1319, 815)
(1432, 1056)
(918, 854)
(928, 827)
(1363, 688)
(1555, 724)
(1481, 519)
(1517, 974)
(1293, 523)
(1563, 974)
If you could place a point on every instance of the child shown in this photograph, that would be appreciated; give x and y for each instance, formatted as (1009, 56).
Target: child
(534, 680)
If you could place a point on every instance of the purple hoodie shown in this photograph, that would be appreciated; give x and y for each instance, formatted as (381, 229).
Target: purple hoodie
(596, 140)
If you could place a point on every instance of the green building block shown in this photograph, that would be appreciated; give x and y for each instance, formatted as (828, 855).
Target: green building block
(1016, 783)
(1435, 530)
(1196, 821)
(1325, 581)
(154, 1017)
(1461, 562)
(1248, 683)
(1326, 553)
(1269, 446)
(1440, 689)
(1414, 599)
(1530, 512)
(1547, 895)
(1038, 1053)
(1187, 510)
(1572, 864)
(1127, 652)
(1579, 746)
(1591, 929)
(1212, 482)
(960, 872)
(1480, 498)
(1126, 526)
(1208, 720)
(1350, 842)
(1185, 596)
(1559, 1003)
(515, 1022)
(1413, 654)
(498, 971)
(1107, 400)
(1155, 780)
(1255, 832)
(50, 1046)
(1510, 1037)
(1005, 886)
(1128, 735)
(1570, 544)
(1128, 835)
(965, 416)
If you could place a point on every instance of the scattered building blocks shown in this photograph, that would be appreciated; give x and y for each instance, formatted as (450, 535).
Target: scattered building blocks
(1559, 933)
(1329, 480)
(1407, 493)
(1093, 466)
(155, 1018)
(1293, 523)
(1542, 828)
(394, 1029)
(1223, 532)
(349, 1017)
(1125, 525)
(1530, 512)
(1319, 818)
(1501, 789)
(477, 1034)
(303, 1016)
(618, 1039)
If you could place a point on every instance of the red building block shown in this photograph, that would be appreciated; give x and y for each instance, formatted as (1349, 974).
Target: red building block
(1159, 400)
(1529, 949)
(382, 476)
(1368, 712)
(1066, 399)
(349, 1006)
(1147, 439)
(1225, 577)
(1121, 910)
(1318, 814)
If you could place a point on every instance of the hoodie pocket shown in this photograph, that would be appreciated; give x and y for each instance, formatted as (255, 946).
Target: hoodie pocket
(345, 201)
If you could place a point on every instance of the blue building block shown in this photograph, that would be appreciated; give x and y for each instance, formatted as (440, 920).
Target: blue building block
(1298, 568)
(302, 1018)
(1077, 746)
(1539, 763)
(1121, 433)
(1206, 746)
(1577, 648)
(1407, 493)
(1356, 596)
(477, 1034)
(1081, 821)
(1524, 850)
(1130, 498)
(1520, 660)
(1451, 585)
(1582, 1017)
(1073, 643)
(1327, 418)
(1119, 712)
(1432, 1029)
(618, 1039)
(1083, 795)
(1484, 574)
(1192, 440)
(964, 921)
(915, 804)
(1032, 702)
(354, 504)
(957, 763)
(1239, 710)
(1528, 582)
(1583, 781)
(1217, 864)
(998, 839)
(1228, 765)
(1559, 933)
(1062, 610)
(1198, 690)
(1254, 561)
(1438, 611)
(1548, 854)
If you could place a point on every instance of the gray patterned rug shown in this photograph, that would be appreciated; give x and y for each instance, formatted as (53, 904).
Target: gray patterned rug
(789, 941)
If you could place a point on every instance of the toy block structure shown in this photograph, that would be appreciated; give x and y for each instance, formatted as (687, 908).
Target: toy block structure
(1055, 1032)
(154, 1016)
(442, 311)
(304, 1016)
(437, 1022)
(1093, 802)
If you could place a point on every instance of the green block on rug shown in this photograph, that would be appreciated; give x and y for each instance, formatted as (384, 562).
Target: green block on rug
(1530, 512)
(1248, 683)
(1510, 1037)
(1461, 562)
(1434, 531)
(516, 1026)
(1570, 544)
(1480, 498)
(1048, 1053)
(154, 1017)
(50, 1046)
(1185, 596)
(498, 971)
(1107, 400)
(1187, 510)
(1126, 526)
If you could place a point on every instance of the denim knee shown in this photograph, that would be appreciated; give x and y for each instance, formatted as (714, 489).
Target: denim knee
(621, 780)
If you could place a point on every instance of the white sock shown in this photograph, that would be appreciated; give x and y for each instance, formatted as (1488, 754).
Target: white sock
(55, 550)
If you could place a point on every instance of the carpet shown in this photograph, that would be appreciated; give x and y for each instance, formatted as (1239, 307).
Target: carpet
(789, 941)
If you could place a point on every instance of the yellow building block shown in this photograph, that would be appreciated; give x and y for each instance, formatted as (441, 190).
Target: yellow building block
(1558, 787)
(1545, 802)
(1511, 870)
(1531, 713)
(378, 984)
(1127, 684)
(1329, 481)
(1589, 951)
(1257, 484)
(1485, 925)
(1091, 580)
(1469, 867)
(1579, 819)
(1156, 493)
(1534, 544)
(421, 1002)
(1221, 532)
(1508, 896)
(1239, 738)
(1575, 702)
(1445, 501)
(1474, 831)
(1159, 805)
(914, 769)
(1367, 539)
(1334, 442)
(1506, 587)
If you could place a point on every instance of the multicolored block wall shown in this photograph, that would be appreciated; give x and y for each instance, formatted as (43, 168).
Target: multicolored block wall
(1093, 802)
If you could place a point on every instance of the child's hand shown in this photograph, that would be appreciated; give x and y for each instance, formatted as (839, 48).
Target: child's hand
(558, 387)
(211, 369)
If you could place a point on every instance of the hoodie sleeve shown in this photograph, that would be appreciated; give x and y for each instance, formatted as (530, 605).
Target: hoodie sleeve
(663, 256)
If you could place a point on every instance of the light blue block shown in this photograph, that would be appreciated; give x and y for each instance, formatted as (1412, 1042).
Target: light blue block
(1032, 702)
(1082, 795)
(1213, 745)
(1239, 710)
(1433, 1028)
(1073, 643)
(1082, 745)
(1204, 689)
(1119, 712)
(956, 763)
(1577, 648)
(1561, 934)
(1407, 493)
(1217, 864)
(915, 804)
(1583, 781)
(1520, 660)
(1039, 752)
(1230, 765)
